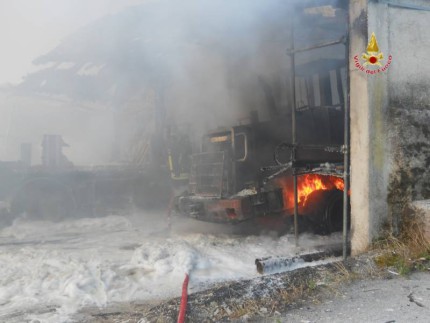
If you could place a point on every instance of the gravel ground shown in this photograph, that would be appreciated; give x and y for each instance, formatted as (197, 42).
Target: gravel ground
(382, 300)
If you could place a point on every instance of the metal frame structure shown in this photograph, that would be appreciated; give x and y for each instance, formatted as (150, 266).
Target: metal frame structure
(344, 149)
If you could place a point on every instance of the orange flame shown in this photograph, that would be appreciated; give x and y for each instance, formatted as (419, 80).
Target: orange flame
(306, 184)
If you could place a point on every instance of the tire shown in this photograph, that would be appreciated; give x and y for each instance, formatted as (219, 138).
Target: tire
(324, 210)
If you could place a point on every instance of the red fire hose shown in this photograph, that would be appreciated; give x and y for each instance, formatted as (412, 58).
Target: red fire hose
(184, 298)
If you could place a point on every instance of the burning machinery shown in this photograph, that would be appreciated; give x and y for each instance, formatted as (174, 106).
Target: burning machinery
(246, 172)
(297, 162)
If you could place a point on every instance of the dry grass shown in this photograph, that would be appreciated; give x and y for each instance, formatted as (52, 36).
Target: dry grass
(295, 292)
(249, 307)
(343, 274)
(407, 252)
(309, 290)
(253, 307)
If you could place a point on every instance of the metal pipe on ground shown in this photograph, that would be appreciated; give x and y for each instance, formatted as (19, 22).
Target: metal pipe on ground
(270, 264)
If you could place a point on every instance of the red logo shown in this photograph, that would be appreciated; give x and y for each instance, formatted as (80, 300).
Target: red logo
(373, 59)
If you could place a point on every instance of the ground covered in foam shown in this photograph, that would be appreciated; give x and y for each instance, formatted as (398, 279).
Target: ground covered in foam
(49, 271)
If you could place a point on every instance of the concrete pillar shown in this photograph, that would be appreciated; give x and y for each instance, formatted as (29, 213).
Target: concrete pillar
(359, 106)
(369, 144)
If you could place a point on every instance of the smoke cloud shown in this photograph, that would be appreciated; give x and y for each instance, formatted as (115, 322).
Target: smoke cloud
(193, 64)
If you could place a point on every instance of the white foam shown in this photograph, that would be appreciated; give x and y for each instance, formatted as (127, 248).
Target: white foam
(77, 263)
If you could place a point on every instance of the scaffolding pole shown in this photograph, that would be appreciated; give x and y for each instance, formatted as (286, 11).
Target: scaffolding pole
(346, 161)
(293, 133)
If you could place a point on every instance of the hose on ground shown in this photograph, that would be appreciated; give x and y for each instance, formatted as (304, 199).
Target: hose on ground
(184, 299)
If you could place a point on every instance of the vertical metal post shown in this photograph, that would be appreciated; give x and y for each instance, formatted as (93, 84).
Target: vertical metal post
(296, 217)
(233, 159)
(293, 132)
(346, 163)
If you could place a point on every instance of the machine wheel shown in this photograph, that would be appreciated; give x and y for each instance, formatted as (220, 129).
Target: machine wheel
(324, 210)
(333, 217)
(43, 199)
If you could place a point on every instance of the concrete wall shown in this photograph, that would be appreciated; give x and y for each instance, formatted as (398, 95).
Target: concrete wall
(390, 116)
(409, 107)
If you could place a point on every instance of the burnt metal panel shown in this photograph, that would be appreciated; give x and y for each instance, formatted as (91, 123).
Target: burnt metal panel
(207, 174)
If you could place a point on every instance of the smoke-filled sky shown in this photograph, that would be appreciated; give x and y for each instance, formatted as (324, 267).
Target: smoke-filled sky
(30, 28)
(202, 62)
(204, 40)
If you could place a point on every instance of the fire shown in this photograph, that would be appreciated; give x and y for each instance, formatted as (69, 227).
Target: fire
(306, 184)
(338, 182)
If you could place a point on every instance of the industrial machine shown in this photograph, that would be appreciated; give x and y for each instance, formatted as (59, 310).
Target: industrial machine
(294, 166)
(245, 172)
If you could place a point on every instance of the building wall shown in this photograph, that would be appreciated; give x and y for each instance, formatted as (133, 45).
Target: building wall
(409, 107)
(390, 116)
